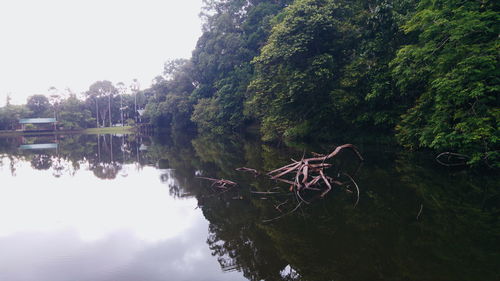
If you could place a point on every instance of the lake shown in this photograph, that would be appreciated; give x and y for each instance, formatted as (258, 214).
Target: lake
(125, 207)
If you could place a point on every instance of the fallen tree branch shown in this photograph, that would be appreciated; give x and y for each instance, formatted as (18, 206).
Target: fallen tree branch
(250, 170)
(357, 188)
(460, 159)
(220, 183)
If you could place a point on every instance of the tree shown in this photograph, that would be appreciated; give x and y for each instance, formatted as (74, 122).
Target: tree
(74, 114)
(170, 105)
(135, 87)
(297, 91)
(233, 33)
(39, 105)
(122, 89)
(98, 92)
(8, 98)
(422, 72)
(10, 115)
(55, 99)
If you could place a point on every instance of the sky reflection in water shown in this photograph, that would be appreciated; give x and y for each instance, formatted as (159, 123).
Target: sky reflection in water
(84, 228)
(124, 208)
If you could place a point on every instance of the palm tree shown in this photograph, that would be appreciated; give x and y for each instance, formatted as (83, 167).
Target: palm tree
(101, 89)
(110, 94)
(135, 88)
(121, 90)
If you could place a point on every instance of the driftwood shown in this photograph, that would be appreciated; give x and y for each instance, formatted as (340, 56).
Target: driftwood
(305, 174)
(250, 170)
(220, 183)
(309, 172)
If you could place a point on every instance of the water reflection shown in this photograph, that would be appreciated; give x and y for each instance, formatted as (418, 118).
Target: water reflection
(158, 221)
(77, 227)
(120, 256)
(104, 155)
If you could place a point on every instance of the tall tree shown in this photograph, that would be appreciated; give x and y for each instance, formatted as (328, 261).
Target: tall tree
(55, 99)
(99, 92)
(122, 90)
(38, 104)
(135, 87)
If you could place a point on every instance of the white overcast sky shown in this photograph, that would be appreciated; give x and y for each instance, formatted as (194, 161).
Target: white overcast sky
(73, 43)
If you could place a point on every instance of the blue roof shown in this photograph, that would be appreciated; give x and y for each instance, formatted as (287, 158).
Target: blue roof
(39, 146)
(37, 120)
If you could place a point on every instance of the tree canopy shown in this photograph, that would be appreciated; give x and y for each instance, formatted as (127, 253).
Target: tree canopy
(422, 72)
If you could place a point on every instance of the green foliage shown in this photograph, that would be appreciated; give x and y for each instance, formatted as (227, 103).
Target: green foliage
(102, 92)
(234, 32)
(130, 122)
(173, 112)
(29, 127)
(298, 68)
(74, 115)
(205, 114)
(39, 105)
(452, 71)
(423, 72)
(10, 115)
(101, 105)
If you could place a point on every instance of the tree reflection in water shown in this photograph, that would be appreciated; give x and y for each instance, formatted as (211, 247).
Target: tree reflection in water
(104, 155)
(41, 161)
(415, 220)
(381, 239)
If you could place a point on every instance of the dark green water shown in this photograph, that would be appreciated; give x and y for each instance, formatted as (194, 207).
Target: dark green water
(416, 220)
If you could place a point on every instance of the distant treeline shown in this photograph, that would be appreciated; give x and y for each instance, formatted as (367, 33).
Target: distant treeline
(102, 105)
(425, 72)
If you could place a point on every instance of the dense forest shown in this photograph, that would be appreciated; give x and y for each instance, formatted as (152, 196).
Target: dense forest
(422, 73)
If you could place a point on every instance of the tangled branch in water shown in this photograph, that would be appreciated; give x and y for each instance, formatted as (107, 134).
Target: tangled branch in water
(306, 174)
(309, 172)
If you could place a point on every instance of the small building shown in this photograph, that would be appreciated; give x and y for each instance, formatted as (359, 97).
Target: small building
(40, 124)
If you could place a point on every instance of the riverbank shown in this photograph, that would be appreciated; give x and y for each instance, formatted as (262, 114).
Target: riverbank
(109, 130)
(89, 131)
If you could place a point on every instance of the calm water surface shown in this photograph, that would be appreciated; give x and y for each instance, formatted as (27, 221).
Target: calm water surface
(87, 207)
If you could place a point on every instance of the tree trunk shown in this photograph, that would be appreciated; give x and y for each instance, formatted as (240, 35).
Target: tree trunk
(109, 109)
(97, 113)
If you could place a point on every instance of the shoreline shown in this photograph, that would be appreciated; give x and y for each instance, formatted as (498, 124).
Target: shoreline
(88, 131)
